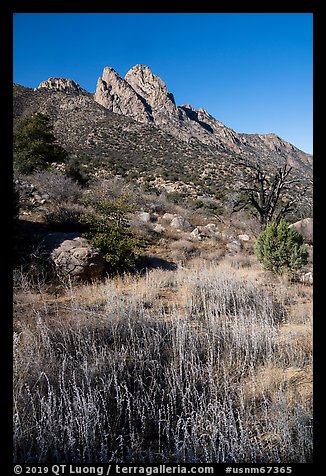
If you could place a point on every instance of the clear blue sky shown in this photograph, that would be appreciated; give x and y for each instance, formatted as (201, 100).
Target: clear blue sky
(253, 72)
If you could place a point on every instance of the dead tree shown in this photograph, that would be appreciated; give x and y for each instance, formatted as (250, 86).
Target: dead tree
(267, 195)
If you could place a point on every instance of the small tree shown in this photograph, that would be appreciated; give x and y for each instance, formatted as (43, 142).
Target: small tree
(281, 249)
(266, 195)
(108, 231)
(34, 144)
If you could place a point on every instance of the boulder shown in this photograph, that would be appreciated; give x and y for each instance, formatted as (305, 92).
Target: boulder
(305, 228)
(73, 256)
(243, 237)
(167, 217)
(206, 231)
(144, 217)
(196, 234)
(180, 223)
(307, 278)
(159, 228)
(209, 231)
(235, 246)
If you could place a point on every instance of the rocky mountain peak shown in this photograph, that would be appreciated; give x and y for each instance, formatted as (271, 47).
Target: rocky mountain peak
(68, 86)
(116, 94)
(144, 96)
(153, 90)
(145, 83)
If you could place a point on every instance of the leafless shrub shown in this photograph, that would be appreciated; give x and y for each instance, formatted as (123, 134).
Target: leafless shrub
(59, 187)
(65, 216)
(162, 368)
(184, 245)
(239, 261)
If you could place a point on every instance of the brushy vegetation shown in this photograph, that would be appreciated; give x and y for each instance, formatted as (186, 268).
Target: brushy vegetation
(207, 363)
(34, 144)
(281, 249)
(186, 366)
(108, 231)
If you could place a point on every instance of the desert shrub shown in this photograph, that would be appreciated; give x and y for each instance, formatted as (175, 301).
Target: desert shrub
(175, 197)
(76, 169)
(182, 249)
(65, 217)
(132, 377)
(34, 144)
(108, 188)
(108, 230)
(281, 249)
(60, 188)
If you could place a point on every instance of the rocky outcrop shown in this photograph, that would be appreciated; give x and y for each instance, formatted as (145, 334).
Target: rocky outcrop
(116, 94)
(151, 133)
(180, 223)
(154, 92)
(305, 228)
(62, 85)
(144, 96)
(73, 256)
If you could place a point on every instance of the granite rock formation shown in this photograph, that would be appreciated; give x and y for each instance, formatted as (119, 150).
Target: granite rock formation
(134, 128)
(144, 97)
(68, 86)
(73, 256)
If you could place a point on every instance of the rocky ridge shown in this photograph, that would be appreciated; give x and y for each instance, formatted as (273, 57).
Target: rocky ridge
(133, 127)
(144, 96)
(68, 86)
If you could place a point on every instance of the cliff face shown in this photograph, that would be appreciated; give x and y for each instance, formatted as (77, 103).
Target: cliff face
(123, 136)
(144, 97)
(117, 95)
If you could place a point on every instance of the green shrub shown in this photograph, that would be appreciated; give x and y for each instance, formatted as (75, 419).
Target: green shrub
(76, 169)
(34, 146)
(108, 231)
(281, 249)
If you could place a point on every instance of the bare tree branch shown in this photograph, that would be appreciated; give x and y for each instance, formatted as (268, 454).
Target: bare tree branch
(264, 193)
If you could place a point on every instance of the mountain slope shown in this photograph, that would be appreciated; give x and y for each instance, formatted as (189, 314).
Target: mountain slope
(139, 132)
(145, 97)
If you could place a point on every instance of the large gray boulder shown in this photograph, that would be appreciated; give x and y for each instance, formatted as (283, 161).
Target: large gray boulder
(73, 256)
(167, 218)
(305, 228)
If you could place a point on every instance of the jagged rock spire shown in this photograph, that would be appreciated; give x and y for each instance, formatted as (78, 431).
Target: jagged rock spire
(115, 94)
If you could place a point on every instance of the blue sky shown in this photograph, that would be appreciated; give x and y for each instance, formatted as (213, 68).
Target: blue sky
(253, 72)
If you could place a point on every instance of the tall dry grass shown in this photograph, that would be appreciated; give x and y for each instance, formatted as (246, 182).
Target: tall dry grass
(184, 366)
